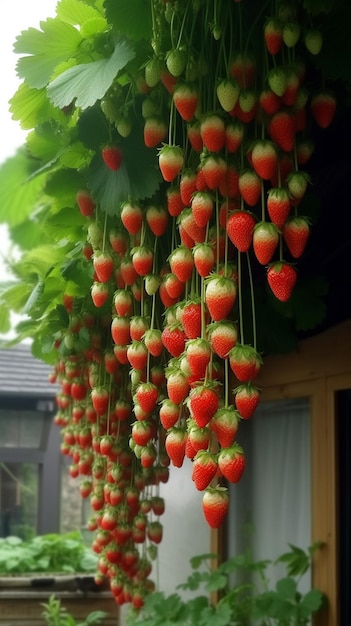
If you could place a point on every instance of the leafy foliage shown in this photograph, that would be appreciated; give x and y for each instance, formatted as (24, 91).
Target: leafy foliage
(55, 614)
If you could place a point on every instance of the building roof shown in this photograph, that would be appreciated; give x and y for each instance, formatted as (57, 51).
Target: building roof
(21, 374)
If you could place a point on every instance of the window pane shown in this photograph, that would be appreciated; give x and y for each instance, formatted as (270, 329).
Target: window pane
(21, 429)
(18, 499)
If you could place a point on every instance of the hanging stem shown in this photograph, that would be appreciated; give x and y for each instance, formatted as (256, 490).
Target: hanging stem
(253, 308)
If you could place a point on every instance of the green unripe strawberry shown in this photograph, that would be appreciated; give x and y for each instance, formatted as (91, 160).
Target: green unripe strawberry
(313, 41)
(291, 34)
(176, 62)
(153, 72)
(277, 80)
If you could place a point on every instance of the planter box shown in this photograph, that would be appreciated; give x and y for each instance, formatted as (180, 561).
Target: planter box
(21, 599)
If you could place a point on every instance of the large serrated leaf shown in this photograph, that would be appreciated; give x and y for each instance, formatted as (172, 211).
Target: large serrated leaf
(56, 42)
(31, 107)
(88, 82)
(132, 17)
(76, 12)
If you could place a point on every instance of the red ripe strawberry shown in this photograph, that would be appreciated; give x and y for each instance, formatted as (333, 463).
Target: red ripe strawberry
(246, 398)
(297, 184)
(147, 396)
(245, 362)
(128, 271)
(264, 158)
(103, 265)
(185, 98)
(269, 101)
(215, 505)
(240, 227)
(137, 355)
(142, 259)
(213, 169)
(234, 134)
(194, 136)
(120, 330)
(265, 241)
(148, 455)
(278, 205)
(169, 414)
(220, 296)
(132, 217)
(273, 35)
(177, 386)
(223, 337)
(198, 355)
(191, 319)
(225, 425)
(204, 469)
(181, 262)
(212, 130)
(243, 69)
(281, 129)
(229, 187)
(173, 339)
(323, 107)
(228, 94)
(123, 302)
(157, 219)
(99, 293)
(112, 157)
(290, 94)
(170, 160)
(119, 241)
(168, 80)
(250, 187)
(153, 341)
(187, 186)
(100, 399)
(138, 327)
(231, 462)
(85, 203)
(202, 207)
(203, 404)
(175, 445)
(282, 277)
(141, 432)
(174, 201)
(155, 131)
(185, 239)
(174, 286)
(296, 232)
(198, 437)
(187, 222)
(204, 259)
(165, 298)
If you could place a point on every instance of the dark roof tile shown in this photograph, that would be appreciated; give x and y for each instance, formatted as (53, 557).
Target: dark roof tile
(22, 374)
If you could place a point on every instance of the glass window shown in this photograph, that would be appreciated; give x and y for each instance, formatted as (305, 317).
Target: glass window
(18, 499)
(21, 429)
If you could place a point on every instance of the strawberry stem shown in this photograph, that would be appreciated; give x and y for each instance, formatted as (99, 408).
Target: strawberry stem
(253, 307)
(240, 299)
(226, 382)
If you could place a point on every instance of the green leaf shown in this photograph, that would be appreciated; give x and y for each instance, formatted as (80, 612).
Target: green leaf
(310, 603)
(88, 82)
(34, 297)
(198, 560)
(132, 17)
(286, 587)
(32, 107)
(75, 12)
(216, 616)
(5, 319)
(56, 42)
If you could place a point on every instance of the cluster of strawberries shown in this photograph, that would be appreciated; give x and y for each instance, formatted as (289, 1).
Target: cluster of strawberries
(165, 343)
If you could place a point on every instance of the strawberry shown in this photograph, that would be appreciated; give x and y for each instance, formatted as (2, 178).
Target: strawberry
(291, 33)
(176, 61)
(212, 129)
(128, 271)
(245, 362)
(137, 355)
(278, 205)
(296, 232)
(165, 298)
(188, 224)
(224, 424)
(250, 187)
(187, 186)
(141, 432)
(213, 169)
(297, 184)
(265, 241)
(169, 414)
(175, 445)
(185, 98)
(323, 106)
(204, 469)
(99, 293)
(173, 339)
(282, 277)
(174, 201)
(264, 159)
(246, 398)
(147, 396)
(157, 219)
(277, 80)
(313, 41)
(132, 217)
(198, 355)
(170, 159)
(240, 228)
(112, 157)
(243, 69)
(124, 126)
(281, 129)
(181, 262)
(153, 341)
(168, 80)
(202, 207)
(234, 134)
(103, 265)
(223, 337)
(191, 319)
(194, 136)
(269, 101)
(174, 286)
(155, 131)
(85, 202)
(203, 404)
(120, 330)
(153, 72)
(204, 259)
(100, 398)
(290, 94)
(231, 462)
(246, 107)
(215, 505)
(142, 259)
(119, 241)
(220, 296)
(304, 150)
(273, 35)
(177, 386)
(228, 94)
(123, 302)
(198, 437)
(155, 531)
